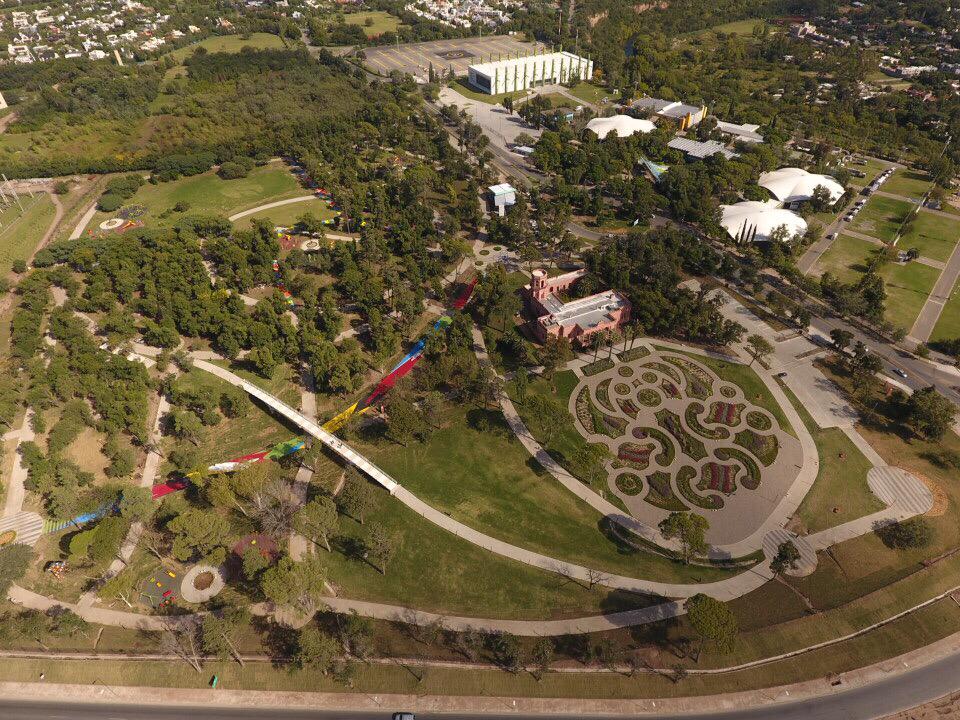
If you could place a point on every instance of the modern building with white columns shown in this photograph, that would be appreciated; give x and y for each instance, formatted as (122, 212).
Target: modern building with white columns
(512, 74)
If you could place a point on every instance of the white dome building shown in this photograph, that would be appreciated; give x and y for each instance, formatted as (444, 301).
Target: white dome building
(752, 221)
(793, 184)
(623, 125)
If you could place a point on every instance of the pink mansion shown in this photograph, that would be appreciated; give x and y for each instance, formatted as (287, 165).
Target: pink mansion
(575, 320)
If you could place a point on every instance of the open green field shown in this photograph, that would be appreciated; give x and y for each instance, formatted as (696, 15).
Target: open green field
(881, 217)
(589, 93)
(907, 289)
(208, 194)
(909, 183)
(935, 236)
(286, 215)
(948, 326)
(435, 570)
(847, 257)
(381, 22)
(229, 44)
(840, 493)
(20, 232)
(487, 480)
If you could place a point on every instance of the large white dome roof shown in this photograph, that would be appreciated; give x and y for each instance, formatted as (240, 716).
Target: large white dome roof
(623, 125)
(793, 184)
(756, 221)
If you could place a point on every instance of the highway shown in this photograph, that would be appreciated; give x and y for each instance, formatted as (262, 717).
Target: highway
(898, 692)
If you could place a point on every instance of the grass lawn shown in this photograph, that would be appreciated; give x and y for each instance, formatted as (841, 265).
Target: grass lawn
(435, 570)
(461, 86)
(22, 231)
(381, 22)
(566, 441)
(283, 383)
(207, 193)
(286, 215)
(229, 44)
(881, 217)
(935, 236)
(948, 326)
(909, 183)
(865, 564)
(840, 492)
(589, 93)
(488, 480)
(907, 289)
(753, 387)
(847, 257)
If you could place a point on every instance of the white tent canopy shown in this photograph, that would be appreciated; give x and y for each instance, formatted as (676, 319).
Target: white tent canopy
(623, 125)
(793, 184)
(756, 221)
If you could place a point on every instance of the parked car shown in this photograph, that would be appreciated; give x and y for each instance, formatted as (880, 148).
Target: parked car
(404, 716)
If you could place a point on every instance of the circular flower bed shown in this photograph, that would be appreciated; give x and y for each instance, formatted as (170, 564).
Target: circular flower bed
(625, 371)
(629, 484)
(728, 391)
(201, 583)
(621, 389)
(484, 252)
(649, 377)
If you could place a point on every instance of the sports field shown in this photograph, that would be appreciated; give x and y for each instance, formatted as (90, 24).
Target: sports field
(373, 22)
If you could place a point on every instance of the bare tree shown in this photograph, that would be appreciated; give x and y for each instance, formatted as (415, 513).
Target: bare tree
(181, 641)
(596, 577)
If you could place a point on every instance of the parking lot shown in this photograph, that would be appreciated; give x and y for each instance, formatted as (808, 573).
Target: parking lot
(459, 54)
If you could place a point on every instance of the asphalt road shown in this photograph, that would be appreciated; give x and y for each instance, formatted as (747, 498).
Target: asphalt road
(898, 692)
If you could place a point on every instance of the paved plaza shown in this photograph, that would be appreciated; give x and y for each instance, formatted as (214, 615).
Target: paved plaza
(682, 438)
(459, 54)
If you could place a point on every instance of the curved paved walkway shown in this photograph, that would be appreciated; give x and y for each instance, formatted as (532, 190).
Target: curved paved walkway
(271, 205)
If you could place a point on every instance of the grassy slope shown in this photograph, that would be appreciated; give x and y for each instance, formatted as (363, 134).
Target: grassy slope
(286, 215)
(21, 231)
(489, 481)
(258, 430)
(435, 570)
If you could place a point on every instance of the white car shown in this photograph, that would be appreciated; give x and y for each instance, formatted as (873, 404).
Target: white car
(900, 372)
